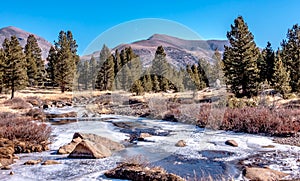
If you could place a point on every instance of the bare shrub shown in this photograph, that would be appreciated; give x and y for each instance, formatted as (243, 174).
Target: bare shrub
(279, 122)
(12, 126)
(17, 103)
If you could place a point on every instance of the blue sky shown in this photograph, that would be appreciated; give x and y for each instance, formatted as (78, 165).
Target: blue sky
(267, 19)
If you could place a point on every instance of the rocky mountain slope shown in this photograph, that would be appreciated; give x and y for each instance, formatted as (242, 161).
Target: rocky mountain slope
(22, 35)
(179, 52)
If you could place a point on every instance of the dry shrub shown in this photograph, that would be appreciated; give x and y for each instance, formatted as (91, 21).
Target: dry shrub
(278, 122)
(17, 103)
(12, 126)
(34, 100)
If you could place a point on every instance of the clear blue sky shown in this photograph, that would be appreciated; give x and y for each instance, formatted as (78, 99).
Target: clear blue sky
(267, 19)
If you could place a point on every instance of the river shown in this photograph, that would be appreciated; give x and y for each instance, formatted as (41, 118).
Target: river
(205, 153)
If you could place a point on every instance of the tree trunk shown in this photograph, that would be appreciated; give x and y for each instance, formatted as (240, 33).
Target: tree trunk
(12, 89)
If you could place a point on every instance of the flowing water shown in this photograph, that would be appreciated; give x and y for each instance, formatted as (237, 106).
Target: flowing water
(205, 153)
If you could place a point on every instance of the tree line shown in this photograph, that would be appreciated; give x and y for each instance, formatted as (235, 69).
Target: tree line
(242, 67)
(247, 69)
(123, 70)
(20, 68)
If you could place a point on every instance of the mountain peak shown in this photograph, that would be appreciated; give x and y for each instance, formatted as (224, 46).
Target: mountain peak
(22, 36)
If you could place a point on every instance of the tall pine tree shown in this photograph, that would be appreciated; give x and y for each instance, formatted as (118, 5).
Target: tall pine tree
(240, 60)
(291, 56)
(15, 76)
(281, 77)
(52, 61)
(35, 64)
(67, 59)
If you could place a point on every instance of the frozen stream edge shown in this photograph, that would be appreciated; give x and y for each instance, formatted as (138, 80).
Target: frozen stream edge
(197, 140)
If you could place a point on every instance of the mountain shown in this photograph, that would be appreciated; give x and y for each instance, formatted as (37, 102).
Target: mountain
(179, 52)
(22, 35)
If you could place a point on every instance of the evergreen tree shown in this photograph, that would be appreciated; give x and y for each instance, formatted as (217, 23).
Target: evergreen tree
(291, 56)
(147, 82)
(187, 79)
(281, 76)
(35, 64)
(161, 68)
(267, 71)
(125, 77)
(52, 61)
(85, 73)
(15, 76)
(217, 68)
(156, 84)
(2, 68)
(117, 62)
(104, 54)
(93, 72)
(240, 60)
(205, 72)
(137, 88)
(195, 77)
(67, 58)
(106, 75)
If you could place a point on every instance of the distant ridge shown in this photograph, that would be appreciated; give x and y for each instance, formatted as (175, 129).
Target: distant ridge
(179, 52)
(22, 36)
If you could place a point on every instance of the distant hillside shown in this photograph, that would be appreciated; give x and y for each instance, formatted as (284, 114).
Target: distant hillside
(179, 52)
(22, 35)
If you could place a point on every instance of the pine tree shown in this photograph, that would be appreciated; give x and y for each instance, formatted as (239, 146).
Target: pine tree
(125, 78)
(52, 61)
(291, 56)
(35, 64)
(15, 76)
(137, 88)
(217, 68)
(156, 86)
(147, 82)
(2, 68)
(66, 60)
(104, 54)
(187, 79)
(161, 68)
(240, 60)
(281, 76)
(205, 72)
(269, 59)
(195, 77)
(85, 73)
(93, 72)
(105, 76)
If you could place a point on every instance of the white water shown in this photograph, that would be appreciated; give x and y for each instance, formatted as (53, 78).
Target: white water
(161, 151)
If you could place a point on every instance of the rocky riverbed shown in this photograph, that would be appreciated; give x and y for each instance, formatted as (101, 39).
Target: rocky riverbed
(203, 152)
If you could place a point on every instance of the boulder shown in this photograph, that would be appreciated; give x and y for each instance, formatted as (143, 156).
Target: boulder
(170, 117)
(62, 115)
(36, 114)
(231, 143)
(50, 162)
(96, 139)
(136, 172)
(87, 149)
(180, 143)
(6, 168)
(145, 135)
(262, 174)
(32, 162)
(68, 148)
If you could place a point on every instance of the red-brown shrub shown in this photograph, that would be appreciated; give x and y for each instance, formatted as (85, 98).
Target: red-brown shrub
(280, 122)
(13, 126)
(17, 103)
